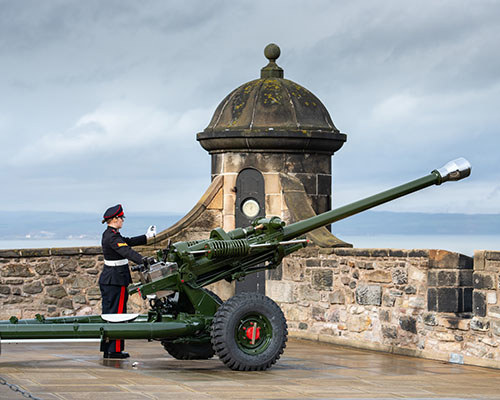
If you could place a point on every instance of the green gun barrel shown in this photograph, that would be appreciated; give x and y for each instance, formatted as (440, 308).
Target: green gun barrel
(91, 328)
(452, 171)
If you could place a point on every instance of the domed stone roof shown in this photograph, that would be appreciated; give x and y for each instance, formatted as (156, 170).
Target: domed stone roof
(271, 114)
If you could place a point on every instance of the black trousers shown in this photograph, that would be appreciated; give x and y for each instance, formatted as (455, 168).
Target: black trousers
(114, 301)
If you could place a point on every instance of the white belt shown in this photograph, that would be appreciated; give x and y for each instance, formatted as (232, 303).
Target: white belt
(115, 263)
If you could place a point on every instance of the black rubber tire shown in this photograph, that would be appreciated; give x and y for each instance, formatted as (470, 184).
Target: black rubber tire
(189, 351)
(224, 330)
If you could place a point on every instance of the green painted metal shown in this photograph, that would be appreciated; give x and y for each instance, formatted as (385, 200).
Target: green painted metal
(167, 328)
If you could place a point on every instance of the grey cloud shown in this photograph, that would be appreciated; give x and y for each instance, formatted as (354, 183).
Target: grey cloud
(62, 60)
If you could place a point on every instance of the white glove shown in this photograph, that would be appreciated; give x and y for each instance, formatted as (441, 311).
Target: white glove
(151, 232)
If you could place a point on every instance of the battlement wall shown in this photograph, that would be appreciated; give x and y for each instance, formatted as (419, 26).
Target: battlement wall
(426, 303)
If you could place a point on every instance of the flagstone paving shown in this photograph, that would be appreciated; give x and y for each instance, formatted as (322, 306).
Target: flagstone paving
(307, 370)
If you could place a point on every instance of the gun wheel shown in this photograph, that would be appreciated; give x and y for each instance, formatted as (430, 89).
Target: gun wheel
(249, 332)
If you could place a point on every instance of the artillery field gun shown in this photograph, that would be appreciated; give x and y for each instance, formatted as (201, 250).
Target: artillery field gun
(248, 332)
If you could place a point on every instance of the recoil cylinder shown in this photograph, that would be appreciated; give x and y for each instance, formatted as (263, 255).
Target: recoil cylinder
(227, 248)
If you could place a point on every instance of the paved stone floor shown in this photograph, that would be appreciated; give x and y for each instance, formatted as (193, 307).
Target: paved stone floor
(307, 370)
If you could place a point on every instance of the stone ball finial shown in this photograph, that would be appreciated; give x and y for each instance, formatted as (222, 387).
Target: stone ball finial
(272, 52)
(271, 70)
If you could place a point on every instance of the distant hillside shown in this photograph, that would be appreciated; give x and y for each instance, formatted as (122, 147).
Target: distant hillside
(59, 225)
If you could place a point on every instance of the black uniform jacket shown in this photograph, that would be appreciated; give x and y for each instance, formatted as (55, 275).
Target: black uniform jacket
(116, 247)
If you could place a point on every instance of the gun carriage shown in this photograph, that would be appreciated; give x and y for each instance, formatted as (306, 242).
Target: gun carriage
(248, 332)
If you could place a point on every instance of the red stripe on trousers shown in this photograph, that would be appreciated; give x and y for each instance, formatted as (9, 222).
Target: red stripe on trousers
(120, 311)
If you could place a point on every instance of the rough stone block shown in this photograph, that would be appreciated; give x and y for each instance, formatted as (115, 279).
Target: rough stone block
(408, 324)
(337, 297)
(443, 259)
(416, 302)
(432, 299)
(366, 265)
(398, 253)
(14, 281)
(81, 282)
(494, 312)
(389, 332)
(95, 250)
(388, 300)
(56, 291)
(430, 319)
(79, 299)
(4, 290)
(65, 303)
(491, 297)
(369, 295)
(479, 260)
(65, 251)
(416, 274)
(307, 293)
(379, 252)
(379, 276)
(51, 280)
(329, 263)
(279, 291)
(303, 326)
(418, 253)
(32, 288)
(493, 255)
(495, 327)
(312, 262)
(94, 293)
(10, 253)
(410, 289)
(432, 278)
(385, 315)
(322, 279)
(447, 278)
(17, 270)
(87, 263)
(43, 269)
(465, 278)
(324, 184)
(479, 324)
(400, 276)
(318, 314)
(483, 281)
(448, 300)
(479, 304)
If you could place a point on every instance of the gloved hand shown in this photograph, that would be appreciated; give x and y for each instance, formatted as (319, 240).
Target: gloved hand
(151, 231)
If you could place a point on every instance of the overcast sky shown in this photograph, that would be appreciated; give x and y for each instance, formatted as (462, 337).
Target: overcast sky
(101, 100)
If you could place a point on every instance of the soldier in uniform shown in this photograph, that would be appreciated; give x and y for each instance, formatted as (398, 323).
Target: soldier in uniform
(115, 276)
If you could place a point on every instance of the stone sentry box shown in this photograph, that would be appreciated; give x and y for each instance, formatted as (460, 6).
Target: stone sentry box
(275, 126)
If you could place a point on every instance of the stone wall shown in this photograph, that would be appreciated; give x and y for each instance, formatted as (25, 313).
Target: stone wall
(52, 282)
(413, 302)
(425, 303)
